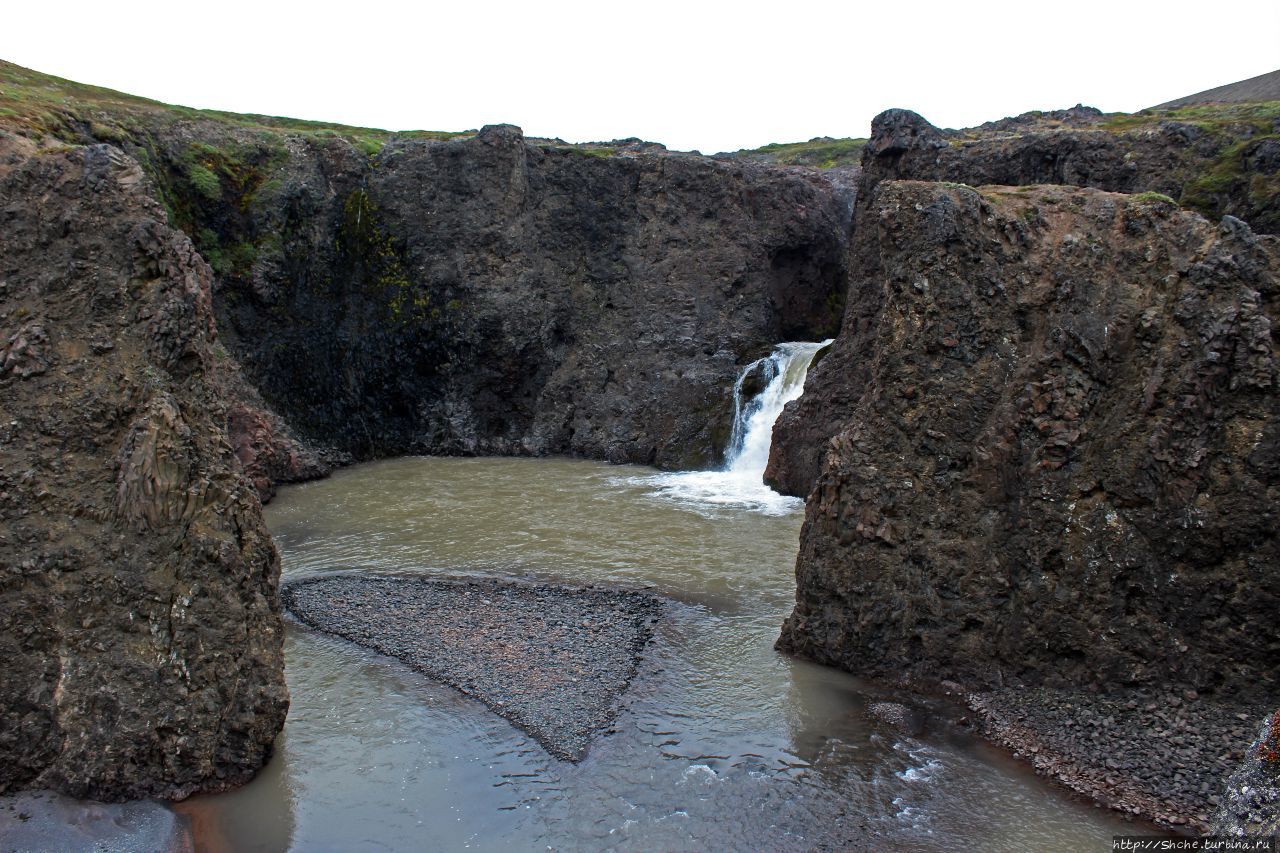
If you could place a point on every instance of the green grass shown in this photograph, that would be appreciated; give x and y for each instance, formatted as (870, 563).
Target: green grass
(822, 152)
(38, 103)
(1212, 118)
(1228, 174)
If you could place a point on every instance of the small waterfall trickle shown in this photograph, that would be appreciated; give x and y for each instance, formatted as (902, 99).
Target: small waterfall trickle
(776, 380)
(785, 370)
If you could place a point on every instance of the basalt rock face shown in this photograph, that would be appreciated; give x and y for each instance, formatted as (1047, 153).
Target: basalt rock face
(1231, 168)
(140, 632)
(498, 295)
(1057, 459)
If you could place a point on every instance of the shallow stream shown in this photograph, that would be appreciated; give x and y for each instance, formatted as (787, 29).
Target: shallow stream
(721, 744)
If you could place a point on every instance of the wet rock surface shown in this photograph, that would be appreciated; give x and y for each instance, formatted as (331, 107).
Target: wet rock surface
(554, 661)
(907, 721)
(140, 634)
(1250, 804)
(1150, 753)
(45, 822)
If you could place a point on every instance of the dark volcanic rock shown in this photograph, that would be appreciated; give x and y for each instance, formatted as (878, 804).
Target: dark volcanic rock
(496, 295)
(552, 660)
(1057, 452)
(1160, 754)
(1231, 169)
(1080, 147)
(140, 641)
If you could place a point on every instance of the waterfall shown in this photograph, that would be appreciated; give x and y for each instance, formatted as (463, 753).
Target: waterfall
(753, 420)
(740, 482)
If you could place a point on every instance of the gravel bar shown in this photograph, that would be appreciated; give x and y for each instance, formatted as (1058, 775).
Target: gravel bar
(552, 660)
(1159, 756)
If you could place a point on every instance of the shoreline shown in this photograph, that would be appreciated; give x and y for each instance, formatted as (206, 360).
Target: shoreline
(1155, 756)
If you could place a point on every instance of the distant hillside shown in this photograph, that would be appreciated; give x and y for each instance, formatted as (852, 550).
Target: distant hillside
(822, 152)
(1264, 87)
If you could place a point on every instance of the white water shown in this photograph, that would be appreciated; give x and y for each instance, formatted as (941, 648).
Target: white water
(740, 483)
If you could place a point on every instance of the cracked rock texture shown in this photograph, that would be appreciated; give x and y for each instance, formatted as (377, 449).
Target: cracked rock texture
(1058, 452)
(140, 634)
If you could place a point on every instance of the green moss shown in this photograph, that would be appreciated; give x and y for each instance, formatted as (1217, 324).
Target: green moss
(108, 132)
(204, 181)
(1228, 175)
(374, 255)
(370, 147)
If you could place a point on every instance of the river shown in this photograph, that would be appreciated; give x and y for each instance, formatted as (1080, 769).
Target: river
(721, 743)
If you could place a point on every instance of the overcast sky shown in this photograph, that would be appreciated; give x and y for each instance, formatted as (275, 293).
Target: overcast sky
(710, 76)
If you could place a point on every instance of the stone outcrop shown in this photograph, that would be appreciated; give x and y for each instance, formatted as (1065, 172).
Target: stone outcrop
(498, 295)
(1219, 164)
(140, 633)
(1056, 457)
(1044, 442)
(1223, 164)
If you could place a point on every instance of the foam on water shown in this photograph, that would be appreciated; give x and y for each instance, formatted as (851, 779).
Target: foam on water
(740, 483)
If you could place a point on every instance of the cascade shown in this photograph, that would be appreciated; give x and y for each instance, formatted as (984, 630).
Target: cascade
(786, 368)
(740, 482)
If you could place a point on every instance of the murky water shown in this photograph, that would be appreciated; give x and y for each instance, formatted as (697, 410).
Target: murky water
(723, 744)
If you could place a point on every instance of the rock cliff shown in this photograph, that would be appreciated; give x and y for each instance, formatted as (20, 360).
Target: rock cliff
(1057, 454)
(496, 295)
(1221, 160)
(1044, 443)
(335, 295)
(140, 635)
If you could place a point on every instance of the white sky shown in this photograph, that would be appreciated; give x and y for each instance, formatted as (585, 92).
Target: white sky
(710, 76)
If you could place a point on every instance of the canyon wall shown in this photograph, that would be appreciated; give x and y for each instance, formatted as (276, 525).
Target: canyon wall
(1058, 452)
(1044, 442)
(140, 633)
(496, 295)
(1225, 161)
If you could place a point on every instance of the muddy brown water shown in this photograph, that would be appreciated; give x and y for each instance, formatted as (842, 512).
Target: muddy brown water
(721, 744)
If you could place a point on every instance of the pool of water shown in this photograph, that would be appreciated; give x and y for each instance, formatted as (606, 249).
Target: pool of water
(721, 743)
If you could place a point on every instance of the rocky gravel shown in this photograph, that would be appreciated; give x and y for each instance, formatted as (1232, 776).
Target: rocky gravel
(1164, 756)
(552, 660)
